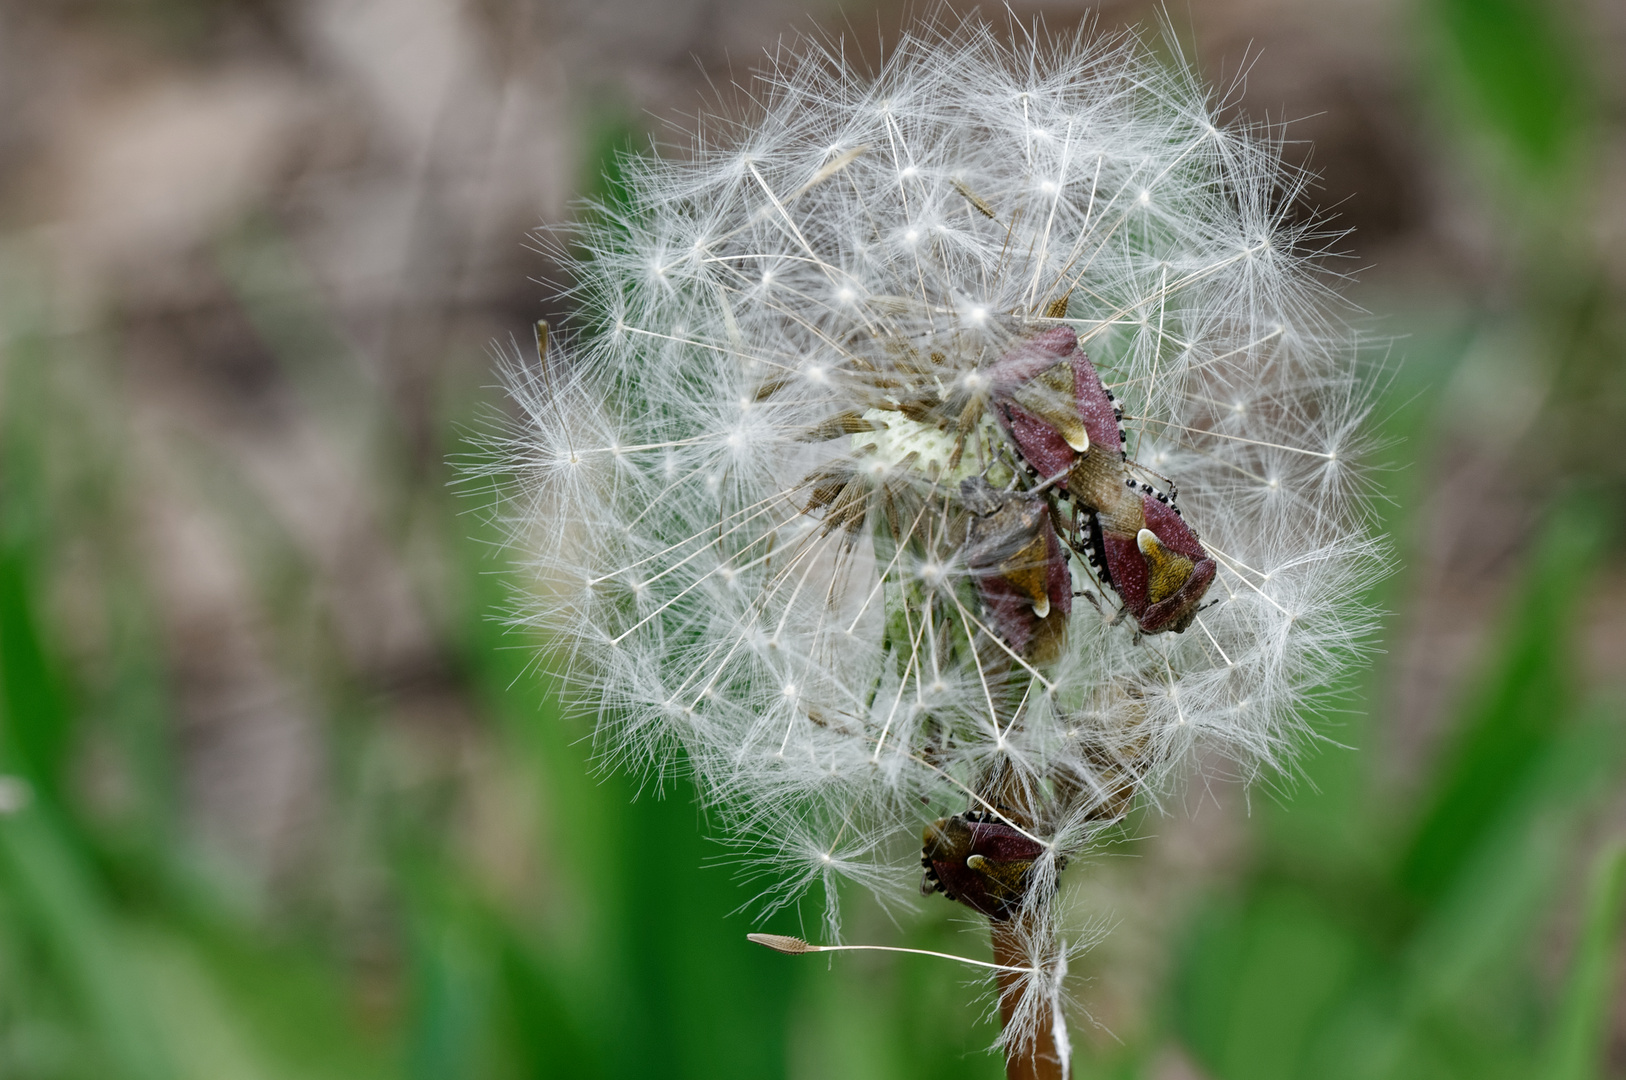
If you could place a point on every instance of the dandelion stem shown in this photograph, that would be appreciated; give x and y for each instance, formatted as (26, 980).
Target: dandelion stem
(1025, 1059)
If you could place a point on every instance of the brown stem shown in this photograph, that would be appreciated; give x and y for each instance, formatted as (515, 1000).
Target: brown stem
(1036, 1059)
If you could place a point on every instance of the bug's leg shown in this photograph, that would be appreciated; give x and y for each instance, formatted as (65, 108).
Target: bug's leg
(1173, 489)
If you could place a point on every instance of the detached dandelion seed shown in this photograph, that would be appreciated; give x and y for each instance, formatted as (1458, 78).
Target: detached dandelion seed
(890, 505)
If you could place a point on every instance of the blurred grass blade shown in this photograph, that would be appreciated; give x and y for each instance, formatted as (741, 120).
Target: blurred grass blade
(1259, 983)
(34, 717)
(43, 868)
(65, 912)
(1520, 709)
(610, 135)
(1522, 75)
(281, 1012)
(1487, 918)
(35, 720)
(1578, 1037)
(452, 992)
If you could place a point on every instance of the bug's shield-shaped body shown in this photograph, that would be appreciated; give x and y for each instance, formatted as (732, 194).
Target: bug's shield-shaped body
(1050, 400)
(1020, 567)
(979, 861)
(1162, 572)
(1064, 423)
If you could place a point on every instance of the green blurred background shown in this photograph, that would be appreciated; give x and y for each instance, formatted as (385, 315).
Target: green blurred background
(281, 798)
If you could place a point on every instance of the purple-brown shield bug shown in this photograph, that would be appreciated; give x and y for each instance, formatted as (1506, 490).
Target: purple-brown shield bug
(980, 861)
(1013, 553)
(1063, 423)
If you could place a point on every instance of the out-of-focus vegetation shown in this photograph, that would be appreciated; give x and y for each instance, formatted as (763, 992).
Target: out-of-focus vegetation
(440, 886)
(126, 956)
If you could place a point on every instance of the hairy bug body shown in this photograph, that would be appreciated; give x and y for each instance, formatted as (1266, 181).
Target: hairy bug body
(1019, 565)
(979, 861)
(1064, 423)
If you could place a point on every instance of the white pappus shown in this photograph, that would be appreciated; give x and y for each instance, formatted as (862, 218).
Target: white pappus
(804, 495)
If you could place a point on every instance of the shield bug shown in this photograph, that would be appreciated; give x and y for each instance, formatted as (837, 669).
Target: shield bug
(980, 861)
(1018, 562)
(1160, 571)
(1064, 423)
(1044, 396)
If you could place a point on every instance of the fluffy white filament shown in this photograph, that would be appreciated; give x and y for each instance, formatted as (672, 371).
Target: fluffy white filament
(749, 320)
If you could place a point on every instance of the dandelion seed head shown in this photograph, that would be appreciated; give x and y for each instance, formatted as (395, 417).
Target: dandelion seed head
(824, 531)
